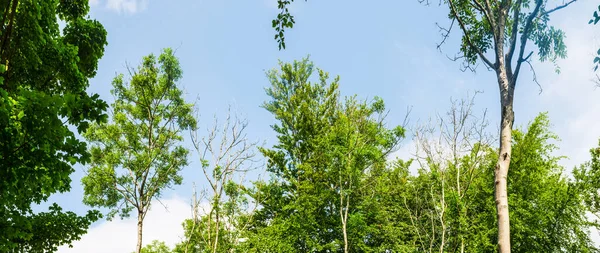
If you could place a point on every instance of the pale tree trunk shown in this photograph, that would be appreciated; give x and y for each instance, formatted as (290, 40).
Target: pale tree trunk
(217, 223)
(344, 217)
(140, 224)
(501, 170)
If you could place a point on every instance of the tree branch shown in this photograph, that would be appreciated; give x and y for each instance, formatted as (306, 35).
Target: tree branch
(558, 7)
(468, 38)
(513, 37)
(524, 35)
(445, 33)
(534, 75)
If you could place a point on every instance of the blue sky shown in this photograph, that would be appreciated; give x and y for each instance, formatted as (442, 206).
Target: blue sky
(378, 48)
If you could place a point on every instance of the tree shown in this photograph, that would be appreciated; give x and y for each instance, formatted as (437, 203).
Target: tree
(138, 154)
(550, 214)
(451, 150)
(226, 155)
(325, 147)
(504, 27)
(44, 75)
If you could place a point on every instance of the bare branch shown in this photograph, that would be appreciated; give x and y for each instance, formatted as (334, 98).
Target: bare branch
(597, 81)
(534, 75)
(558, 7)
(225, 152)
(445, 33)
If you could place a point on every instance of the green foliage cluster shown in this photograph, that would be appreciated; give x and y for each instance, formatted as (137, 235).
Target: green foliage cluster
(43, 78)
(325, 145)
(139, 153)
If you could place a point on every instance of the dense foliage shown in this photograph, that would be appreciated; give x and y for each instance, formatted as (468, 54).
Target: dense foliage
(495, 32)
(334, 189)
(44, 77)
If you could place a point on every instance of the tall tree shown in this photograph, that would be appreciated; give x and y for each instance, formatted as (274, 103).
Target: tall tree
(503, 27)
(325, 147)
(451, 150)
(139, 153)
(44, 76)
(226, 155)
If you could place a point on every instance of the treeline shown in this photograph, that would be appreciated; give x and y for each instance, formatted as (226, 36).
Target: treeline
(333, 186)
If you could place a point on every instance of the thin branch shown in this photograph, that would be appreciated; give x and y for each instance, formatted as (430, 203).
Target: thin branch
(558, 7)
(445, 33)
(513, 36)
(534, 75)
(597, 81)
(524, 35)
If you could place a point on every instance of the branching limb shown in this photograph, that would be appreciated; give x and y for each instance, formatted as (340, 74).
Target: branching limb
(513, 37)
(528, 61)
(445, 33)
(526, 30)
(468, 37)
(558, 7)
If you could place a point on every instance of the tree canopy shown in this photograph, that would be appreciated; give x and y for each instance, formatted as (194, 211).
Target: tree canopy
(139, 153)
(44, 78)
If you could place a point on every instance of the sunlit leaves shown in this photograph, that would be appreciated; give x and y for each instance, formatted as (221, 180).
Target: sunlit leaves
(43, 94)
(325, 147)
(138, 154)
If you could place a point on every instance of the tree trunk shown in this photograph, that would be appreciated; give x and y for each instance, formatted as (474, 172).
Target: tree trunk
(501, 170)
(140, 224)
(216, 242)
(345, 237)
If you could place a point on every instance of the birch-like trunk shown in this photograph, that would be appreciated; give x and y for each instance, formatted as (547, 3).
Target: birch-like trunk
(501, 170)
(140, 224)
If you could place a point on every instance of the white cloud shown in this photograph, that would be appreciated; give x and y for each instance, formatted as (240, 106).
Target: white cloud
(122, 6)
(129, 6)
(120, 235)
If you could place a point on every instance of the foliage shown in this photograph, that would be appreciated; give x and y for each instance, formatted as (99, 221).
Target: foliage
(138, 154)
(284, 20)
(44, 77)
(200, 239)
(156, 247)
(485, 25)
(503, 27)
(448, 206)
(548, 210)
(324, 147)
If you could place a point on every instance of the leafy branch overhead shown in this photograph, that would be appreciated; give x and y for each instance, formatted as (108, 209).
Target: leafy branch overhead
(283, 20)
(44, 76)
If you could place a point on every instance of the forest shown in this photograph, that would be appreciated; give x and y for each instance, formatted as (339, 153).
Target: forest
(326, 146)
